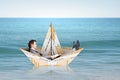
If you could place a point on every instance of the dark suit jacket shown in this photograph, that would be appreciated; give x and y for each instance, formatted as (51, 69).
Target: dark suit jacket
(35, 51)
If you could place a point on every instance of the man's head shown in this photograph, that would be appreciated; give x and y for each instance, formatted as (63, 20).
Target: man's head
(32, 44)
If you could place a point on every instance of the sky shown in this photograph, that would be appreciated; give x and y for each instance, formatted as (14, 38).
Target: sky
(60, 8)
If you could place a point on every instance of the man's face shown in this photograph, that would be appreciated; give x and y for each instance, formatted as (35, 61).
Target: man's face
(34, 45)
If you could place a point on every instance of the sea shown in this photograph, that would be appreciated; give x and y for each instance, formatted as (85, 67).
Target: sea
(100, 38)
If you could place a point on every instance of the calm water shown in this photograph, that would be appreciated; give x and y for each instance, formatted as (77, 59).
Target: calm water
(100, 38)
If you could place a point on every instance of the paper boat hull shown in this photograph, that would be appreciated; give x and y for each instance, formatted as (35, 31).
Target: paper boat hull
(64, 59)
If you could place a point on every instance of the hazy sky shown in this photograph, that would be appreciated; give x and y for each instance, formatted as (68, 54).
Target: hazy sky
(59, 8)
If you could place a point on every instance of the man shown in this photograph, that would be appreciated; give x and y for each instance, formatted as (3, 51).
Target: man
(33, 47)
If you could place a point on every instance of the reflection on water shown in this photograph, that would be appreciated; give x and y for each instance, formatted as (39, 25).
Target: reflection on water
(39, 73)
(52, 70)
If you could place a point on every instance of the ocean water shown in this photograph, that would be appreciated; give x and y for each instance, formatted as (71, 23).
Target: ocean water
(100, 38)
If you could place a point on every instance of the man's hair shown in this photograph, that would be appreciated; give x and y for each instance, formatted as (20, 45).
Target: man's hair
(31, 42)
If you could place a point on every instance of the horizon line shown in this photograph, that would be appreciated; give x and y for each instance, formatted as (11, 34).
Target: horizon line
(59, 17)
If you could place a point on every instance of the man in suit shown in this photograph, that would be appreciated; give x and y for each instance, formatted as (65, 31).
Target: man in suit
(33, 47)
